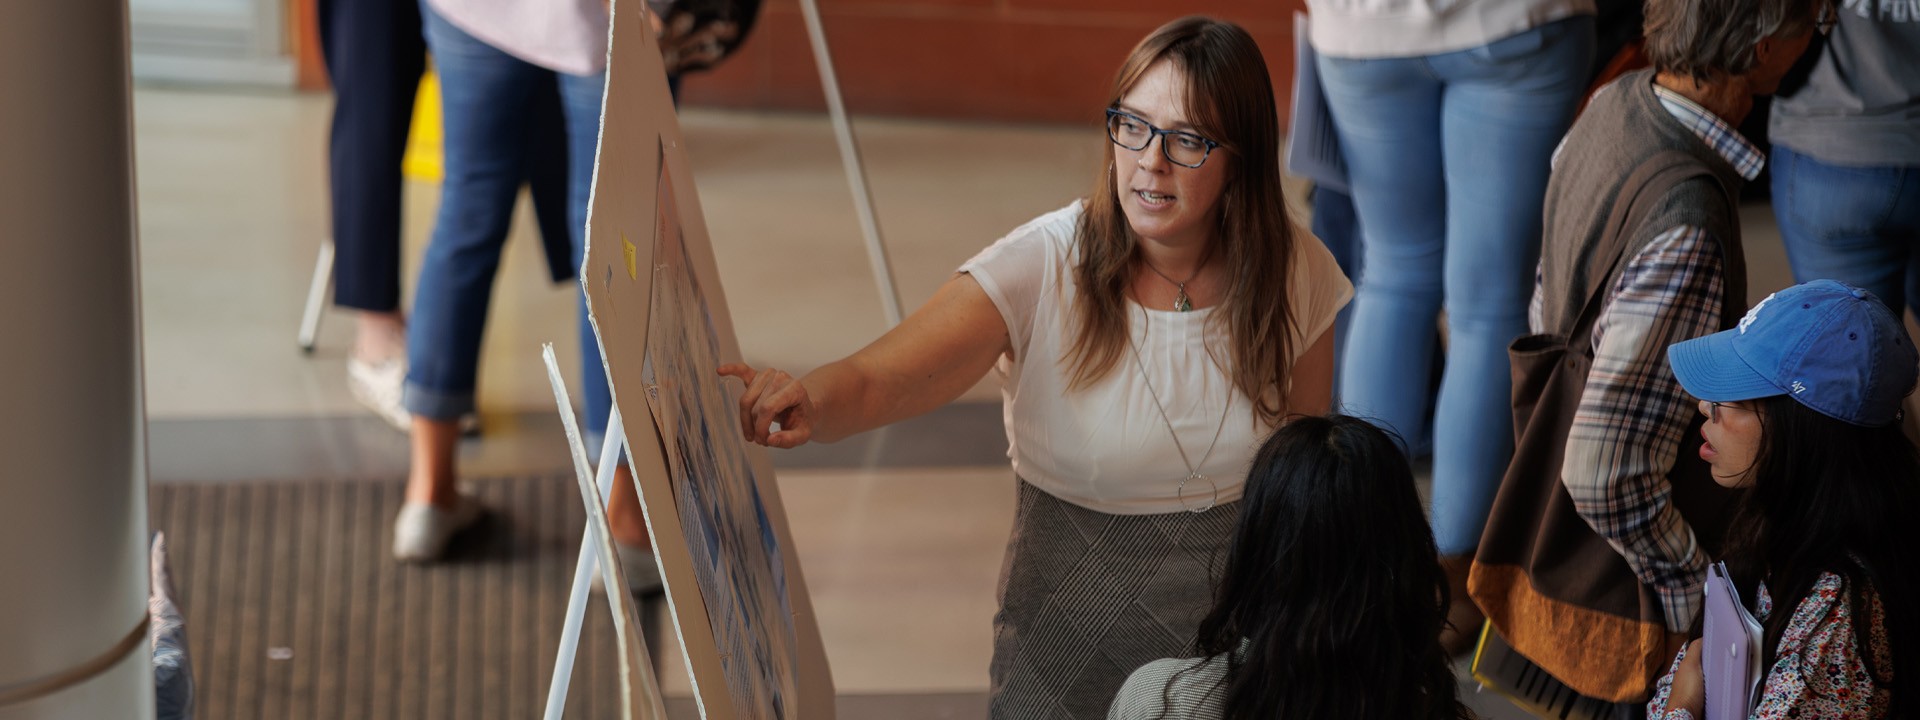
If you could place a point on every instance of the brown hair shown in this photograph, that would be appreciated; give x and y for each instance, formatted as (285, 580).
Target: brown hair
(1229, 100)
(1703, 38)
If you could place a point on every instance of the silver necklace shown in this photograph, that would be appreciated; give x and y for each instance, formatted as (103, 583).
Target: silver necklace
(1181, 302)
(1193, 473)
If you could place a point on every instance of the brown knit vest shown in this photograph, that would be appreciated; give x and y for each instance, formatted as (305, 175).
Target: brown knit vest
(1625, 126)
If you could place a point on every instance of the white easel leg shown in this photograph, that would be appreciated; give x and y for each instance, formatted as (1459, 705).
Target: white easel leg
(316, 297)
(639, 689)
(850, 157)
(583, 574)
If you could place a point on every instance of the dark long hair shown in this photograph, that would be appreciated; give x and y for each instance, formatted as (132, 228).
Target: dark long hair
(1230, 100)
(1334, 583)
(1827, 496)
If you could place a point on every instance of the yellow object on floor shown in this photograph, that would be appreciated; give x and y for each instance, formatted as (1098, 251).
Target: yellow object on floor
(423, 160)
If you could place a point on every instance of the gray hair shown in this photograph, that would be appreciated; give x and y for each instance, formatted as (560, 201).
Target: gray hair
(1704, 38)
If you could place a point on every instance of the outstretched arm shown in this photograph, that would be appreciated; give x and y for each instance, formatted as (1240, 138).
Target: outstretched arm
(937, 353)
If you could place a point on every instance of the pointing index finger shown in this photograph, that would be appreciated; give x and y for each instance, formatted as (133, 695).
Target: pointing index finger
(738, 370)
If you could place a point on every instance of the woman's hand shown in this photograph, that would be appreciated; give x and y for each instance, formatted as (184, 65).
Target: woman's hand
(773, 396)
(1689, 684)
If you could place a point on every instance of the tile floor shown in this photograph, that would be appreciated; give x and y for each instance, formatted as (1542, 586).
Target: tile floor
(901, 553)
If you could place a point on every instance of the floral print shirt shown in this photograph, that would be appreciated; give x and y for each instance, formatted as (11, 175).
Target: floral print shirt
(1818, 671)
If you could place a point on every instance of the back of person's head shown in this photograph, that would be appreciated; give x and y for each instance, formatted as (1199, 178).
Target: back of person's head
(1229, 100)
(1334, 582)
(1834, 485)
(1710, 39)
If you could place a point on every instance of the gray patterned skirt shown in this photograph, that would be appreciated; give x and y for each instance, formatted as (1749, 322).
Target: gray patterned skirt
(1087, 597)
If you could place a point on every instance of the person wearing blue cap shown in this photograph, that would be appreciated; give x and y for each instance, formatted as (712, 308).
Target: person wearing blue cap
(1803, 400)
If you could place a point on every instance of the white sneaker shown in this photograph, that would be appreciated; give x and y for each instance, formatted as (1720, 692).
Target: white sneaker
(643, 571)
(382, 388)
(422, 531)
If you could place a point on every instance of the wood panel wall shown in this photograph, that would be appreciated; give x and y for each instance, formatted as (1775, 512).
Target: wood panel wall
(990, 60)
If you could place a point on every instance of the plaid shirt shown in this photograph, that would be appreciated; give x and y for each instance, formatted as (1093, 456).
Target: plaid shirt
(1627, 431)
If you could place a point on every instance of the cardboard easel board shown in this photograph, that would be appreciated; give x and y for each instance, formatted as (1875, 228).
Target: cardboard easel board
(733, 581)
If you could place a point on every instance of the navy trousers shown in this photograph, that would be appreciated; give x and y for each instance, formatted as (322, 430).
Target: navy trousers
(375, 56)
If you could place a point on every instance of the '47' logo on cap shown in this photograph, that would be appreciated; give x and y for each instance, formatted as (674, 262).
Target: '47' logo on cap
(1754, 313)
(1798, 388)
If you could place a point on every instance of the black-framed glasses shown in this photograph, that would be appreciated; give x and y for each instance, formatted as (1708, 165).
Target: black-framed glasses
(1181, 148)
(1713, 410)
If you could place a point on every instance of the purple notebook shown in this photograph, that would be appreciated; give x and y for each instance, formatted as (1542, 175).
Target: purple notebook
(1729, 650)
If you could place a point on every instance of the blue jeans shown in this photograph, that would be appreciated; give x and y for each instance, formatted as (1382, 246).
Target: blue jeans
(1334, 223)
(1858, 225)
(486, 98)
(1338, 228)
(1448, 156)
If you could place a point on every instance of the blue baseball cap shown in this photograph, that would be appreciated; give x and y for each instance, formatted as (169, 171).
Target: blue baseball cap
(1831, 346)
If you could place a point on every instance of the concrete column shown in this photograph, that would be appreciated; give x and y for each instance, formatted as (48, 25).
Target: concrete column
(73, 499)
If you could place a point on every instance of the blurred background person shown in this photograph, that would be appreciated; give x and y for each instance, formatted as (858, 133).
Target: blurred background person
(493, 57)
(375, 57)
(1846, 154)
(1447, 119)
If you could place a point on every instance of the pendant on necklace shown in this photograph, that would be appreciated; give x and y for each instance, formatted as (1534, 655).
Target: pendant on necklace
(1212, 489)
(1181, 302)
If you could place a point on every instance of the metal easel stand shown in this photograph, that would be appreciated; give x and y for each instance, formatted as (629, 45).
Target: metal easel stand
(850, 157)
(317, 291)
(642, 685)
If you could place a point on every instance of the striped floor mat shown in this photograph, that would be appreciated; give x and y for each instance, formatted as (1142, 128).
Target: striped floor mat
(295, 608)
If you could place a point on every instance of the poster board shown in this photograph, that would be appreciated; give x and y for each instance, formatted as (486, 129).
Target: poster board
(733, 582)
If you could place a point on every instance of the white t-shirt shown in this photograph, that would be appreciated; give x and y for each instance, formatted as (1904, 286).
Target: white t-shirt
(1105, 447)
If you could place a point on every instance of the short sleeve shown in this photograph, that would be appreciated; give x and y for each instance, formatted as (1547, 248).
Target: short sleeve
(1173, 688)
(1317, 291)
(1141, 698)
(1018, 269)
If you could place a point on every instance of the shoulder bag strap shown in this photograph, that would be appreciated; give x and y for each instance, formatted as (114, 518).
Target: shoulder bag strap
(1650, 182)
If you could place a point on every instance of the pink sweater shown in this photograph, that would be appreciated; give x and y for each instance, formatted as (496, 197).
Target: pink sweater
(568, 36)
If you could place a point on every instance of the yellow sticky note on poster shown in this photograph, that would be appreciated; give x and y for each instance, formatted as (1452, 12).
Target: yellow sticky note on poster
(633, 257)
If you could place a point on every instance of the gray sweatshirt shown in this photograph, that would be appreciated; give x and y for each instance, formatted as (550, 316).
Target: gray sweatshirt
(1861, 104)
